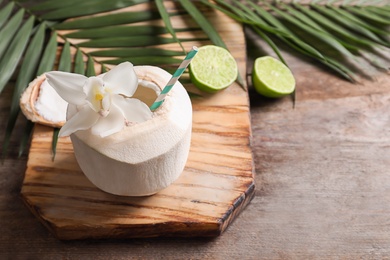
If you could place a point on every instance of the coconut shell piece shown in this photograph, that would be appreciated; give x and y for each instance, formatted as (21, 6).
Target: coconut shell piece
(28, 100)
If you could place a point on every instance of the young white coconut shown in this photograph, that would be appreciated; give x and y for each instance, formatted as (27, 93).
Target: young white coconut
(121, 146)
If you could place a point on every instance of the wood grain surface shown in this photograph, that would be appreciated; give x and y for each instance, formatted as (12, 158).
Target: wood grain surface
(215, 186)
(322, 181)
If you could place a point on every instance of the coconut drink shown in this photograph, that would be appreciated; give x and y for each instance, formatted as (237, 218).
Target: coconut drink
(122, 145)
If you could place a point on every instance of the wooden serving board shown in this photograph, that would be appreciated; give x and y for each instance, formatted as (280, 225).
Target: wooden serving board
(216, 185)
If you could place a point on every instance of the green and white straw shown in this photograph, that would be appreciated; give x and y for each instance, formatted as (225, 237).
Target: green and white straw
(184, 64)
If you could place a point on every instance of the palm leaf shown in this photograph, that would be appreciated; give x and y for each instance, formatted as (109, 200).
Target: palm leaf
(5, 13)
(128, 41)
(288, 35)
(89, 7)
(364, 13)
(167, 21)
(54, 142)
(87, 35)
(319, 34)
(9, 31)
(65, 63)
(322, 23)
(379, 11)
(346, 25)
(103, 68)
(117, 31)
(49, 55)
(90, 67)
(298, 20)
(144, 60)
(25, 137)
(52, 5)
(46, 64)
(135, 52)
(107, 20)
(79, 63)
(7, 67)
(15, 51)
(352, 19)
(27, 71)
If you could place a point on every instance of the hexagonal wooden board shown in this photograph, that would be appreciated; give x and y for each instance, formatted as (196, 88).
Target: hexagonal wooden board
(216, 185)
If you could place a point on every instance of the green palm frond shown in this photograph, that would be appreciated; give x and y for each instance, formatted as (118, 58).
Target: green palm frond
(337, 35)
(90, 36)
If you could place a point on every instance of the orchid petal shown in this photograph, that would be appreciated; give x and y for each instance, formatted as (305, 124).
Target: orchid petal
(106, 103)
(111, 124)
(68, 85)
(134, 110)
(94, 92)
(121, 79)
(84, 119)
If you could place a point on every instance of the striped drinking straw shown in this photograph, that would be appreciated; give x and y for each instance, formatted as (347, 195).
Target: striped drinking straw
(160, 99)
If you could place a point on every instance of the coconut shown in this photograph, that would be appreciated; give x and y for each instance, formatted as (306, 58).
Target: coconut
(145, 157)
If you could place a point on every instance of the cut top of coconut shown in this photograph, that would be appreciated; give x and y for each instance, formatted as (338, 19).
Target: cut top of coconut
(40, 103)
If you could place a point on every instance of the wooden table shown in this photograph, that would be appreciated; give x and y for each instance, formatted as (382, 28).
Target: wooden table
(322, 182)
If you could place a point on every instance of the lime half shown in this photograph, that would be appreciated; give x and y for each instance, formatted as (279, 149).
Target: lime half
(213, 69)
(271, 78)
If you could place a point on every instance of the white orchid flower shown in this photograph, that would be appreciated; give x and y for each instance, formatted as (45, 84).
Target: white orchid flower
(103, 103)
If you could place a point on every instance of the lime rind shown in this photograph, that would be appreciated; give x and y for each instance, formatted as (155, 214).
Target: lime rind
(213, 69)
(272, 78)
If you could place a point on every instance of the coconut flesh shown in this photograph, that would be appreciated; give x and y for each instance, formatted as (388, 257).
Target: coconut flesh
(146, 157)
